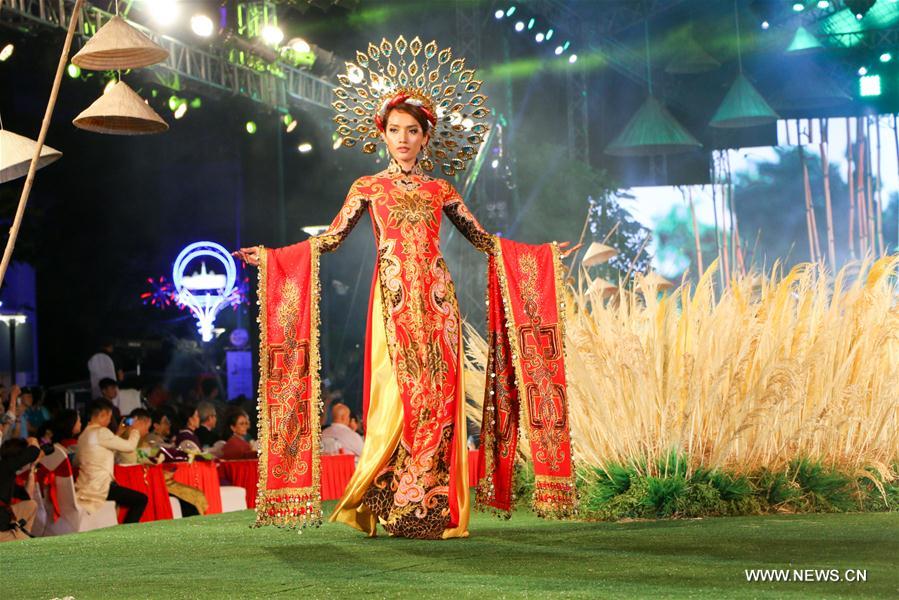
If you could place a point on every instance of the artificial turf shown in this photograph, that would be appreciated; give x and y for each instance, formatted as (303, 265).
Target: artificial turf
(221, 557)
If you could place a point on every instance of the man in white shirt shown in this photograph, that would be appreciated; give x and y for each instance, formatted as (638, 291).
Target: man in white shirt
(101, 366)
(339, 435)
(95, 457)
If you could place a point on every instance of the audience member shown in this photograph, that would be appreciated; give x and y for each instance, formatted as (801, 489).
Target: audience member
(339, 434)
(208, 420)
(14, 425)
(161, 430)
(97, 446)
(187, 440)
(36, 413)
(237, 446)
(66, 428)
(139, 420)
(101, 366)
(15, 454)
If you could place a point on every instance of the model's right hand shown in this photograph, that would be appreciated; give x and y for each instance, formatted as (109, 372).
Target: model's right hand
(248, 255)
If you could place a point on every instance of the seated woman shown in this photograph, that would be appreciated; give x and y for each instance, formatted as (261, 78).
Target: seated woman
(237, 446)
(187, 440)
(66, 428)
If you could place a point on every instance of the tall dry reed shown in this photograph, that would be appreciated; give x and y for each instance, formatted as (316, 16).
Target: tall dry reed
(778, 367)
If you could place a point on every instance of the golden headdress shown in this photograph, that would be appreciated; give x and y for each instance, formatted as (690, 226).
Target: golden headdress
(441, 86)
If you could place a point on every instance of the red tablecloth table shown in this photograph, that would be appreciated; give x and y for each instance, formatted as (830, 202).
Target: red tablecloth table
(149, 480)
(202, 475)
(337, 469)
(242, 473)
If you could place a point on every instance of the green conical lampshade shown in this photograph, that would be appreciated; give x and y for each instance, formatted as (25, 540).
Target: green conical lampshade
(691, 58)
(803, 41)
(651, 131)
(743, 106)
(815, 89)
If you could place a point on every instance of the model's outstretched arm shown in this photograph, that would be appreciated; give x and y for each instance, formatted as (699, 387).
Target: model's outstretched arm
(350, 213)
(458, 213)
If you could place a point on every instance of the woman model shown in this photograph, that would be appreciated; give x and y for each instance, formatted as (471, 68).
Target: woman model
(412, 476)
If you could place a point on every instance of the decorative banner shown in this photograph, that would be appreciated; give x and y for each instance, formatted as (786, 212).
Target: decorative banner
(205, 293)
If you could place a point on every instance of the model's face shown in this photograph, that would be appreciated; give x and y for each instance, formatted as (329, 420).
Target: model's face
(241, 427)
(404, 137)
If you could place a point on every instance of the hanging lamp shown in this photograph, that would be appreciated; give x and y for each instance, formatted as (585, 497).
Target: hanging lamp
(118, 45)
(120, 111)
(652, 130)
(743, 106)
(690, 58)
(803, 41)
(16, 152)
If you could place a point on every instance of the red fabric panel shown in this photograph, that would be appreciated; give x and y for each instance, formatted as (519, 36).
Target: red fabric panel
(149, 480)
(242, 473)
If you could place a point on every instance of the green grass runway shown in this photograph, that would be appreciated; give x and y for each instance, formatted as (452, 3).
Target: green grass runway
(221, 557)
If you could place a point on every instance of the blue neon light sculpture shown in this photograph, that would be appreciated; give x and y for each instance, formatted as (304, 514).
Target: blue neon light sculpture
(204, 293)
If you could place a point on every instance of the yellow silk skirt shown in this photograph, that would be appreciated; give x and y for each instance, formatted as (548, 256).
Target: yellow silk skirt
(384, 428)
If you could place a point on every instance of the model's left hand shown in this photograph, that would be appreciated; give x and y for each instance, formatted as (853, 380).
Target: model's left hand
(569, 251)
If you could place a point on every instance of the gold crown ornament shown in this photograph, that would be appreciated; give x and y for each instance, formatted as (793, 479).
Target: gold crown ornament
(401, 72)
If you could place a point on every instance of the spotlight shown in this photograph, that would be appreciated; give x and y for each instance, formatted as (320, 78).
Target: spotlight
(572, 59)
(499, 14)
(6, 52)
(540, 37)
(559, 50)
(299, 45)
(109, 85)
(765, 25)
(531, 24)
(869, 85)
(251, 127)
(196, 103)
(74, 71)
(289, 123)
(519, 26)
(291, 126)
(272, 35)
(495, 163)
(862, 71)
(798, 7)
(510, 11)
(822, 4)
(202, 25)
(354, 73)
(305, 148)
(164, 12)
(565, 45)
(174, 102)
(549, 35)
(886, 57)
(181, 110)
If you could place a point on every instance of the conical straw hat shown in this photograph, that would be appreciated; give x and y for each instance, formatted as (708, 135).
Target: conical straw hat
(597, 254)
(118, 45)
(602, 287)
(654, 280)
(16, 152)
(120, 111)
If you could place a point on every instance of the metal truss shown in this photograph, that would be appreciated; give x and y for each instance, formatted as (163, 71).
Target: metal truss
(210, 69)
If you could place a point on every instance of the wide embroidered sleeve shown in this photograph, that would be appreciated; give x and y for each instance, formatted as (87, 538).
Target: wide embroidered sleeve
(350, 213)
(458, 213)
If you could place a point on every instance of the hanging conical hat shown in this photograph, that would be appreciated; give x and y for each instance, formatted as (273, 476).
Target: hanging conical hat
(602, 287)
(120, 111)
(656, 281)
(16, 152)
(597, 254)
(118, 45)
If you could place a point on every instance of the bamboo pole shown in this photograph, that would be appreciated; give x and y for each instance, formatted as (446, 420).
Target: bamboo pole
(696, 238)
(45, 126)
(828, 207)
(808, 205)
(860, 189)
(878, 193)
(869, 189)
(849, 180)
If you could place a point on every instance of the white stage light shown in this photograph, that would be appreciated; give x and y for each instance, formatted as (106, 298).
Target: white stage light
(539, 37)
(202, 25)
(164, 12)
(6, 52)
(519, 26)
(559, 50)
(305, 148)
(499, 14)
(299, 45)
(272, 35)
(572, 59)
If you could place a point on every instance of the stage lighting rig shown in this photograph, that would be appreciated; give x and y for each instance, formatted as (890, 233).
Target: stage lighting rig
(859, 7)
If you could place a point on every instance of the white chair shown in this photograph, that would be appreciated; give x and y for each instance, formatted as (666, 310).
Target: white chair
(74, 517)
(233, 498)
(176, 507)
